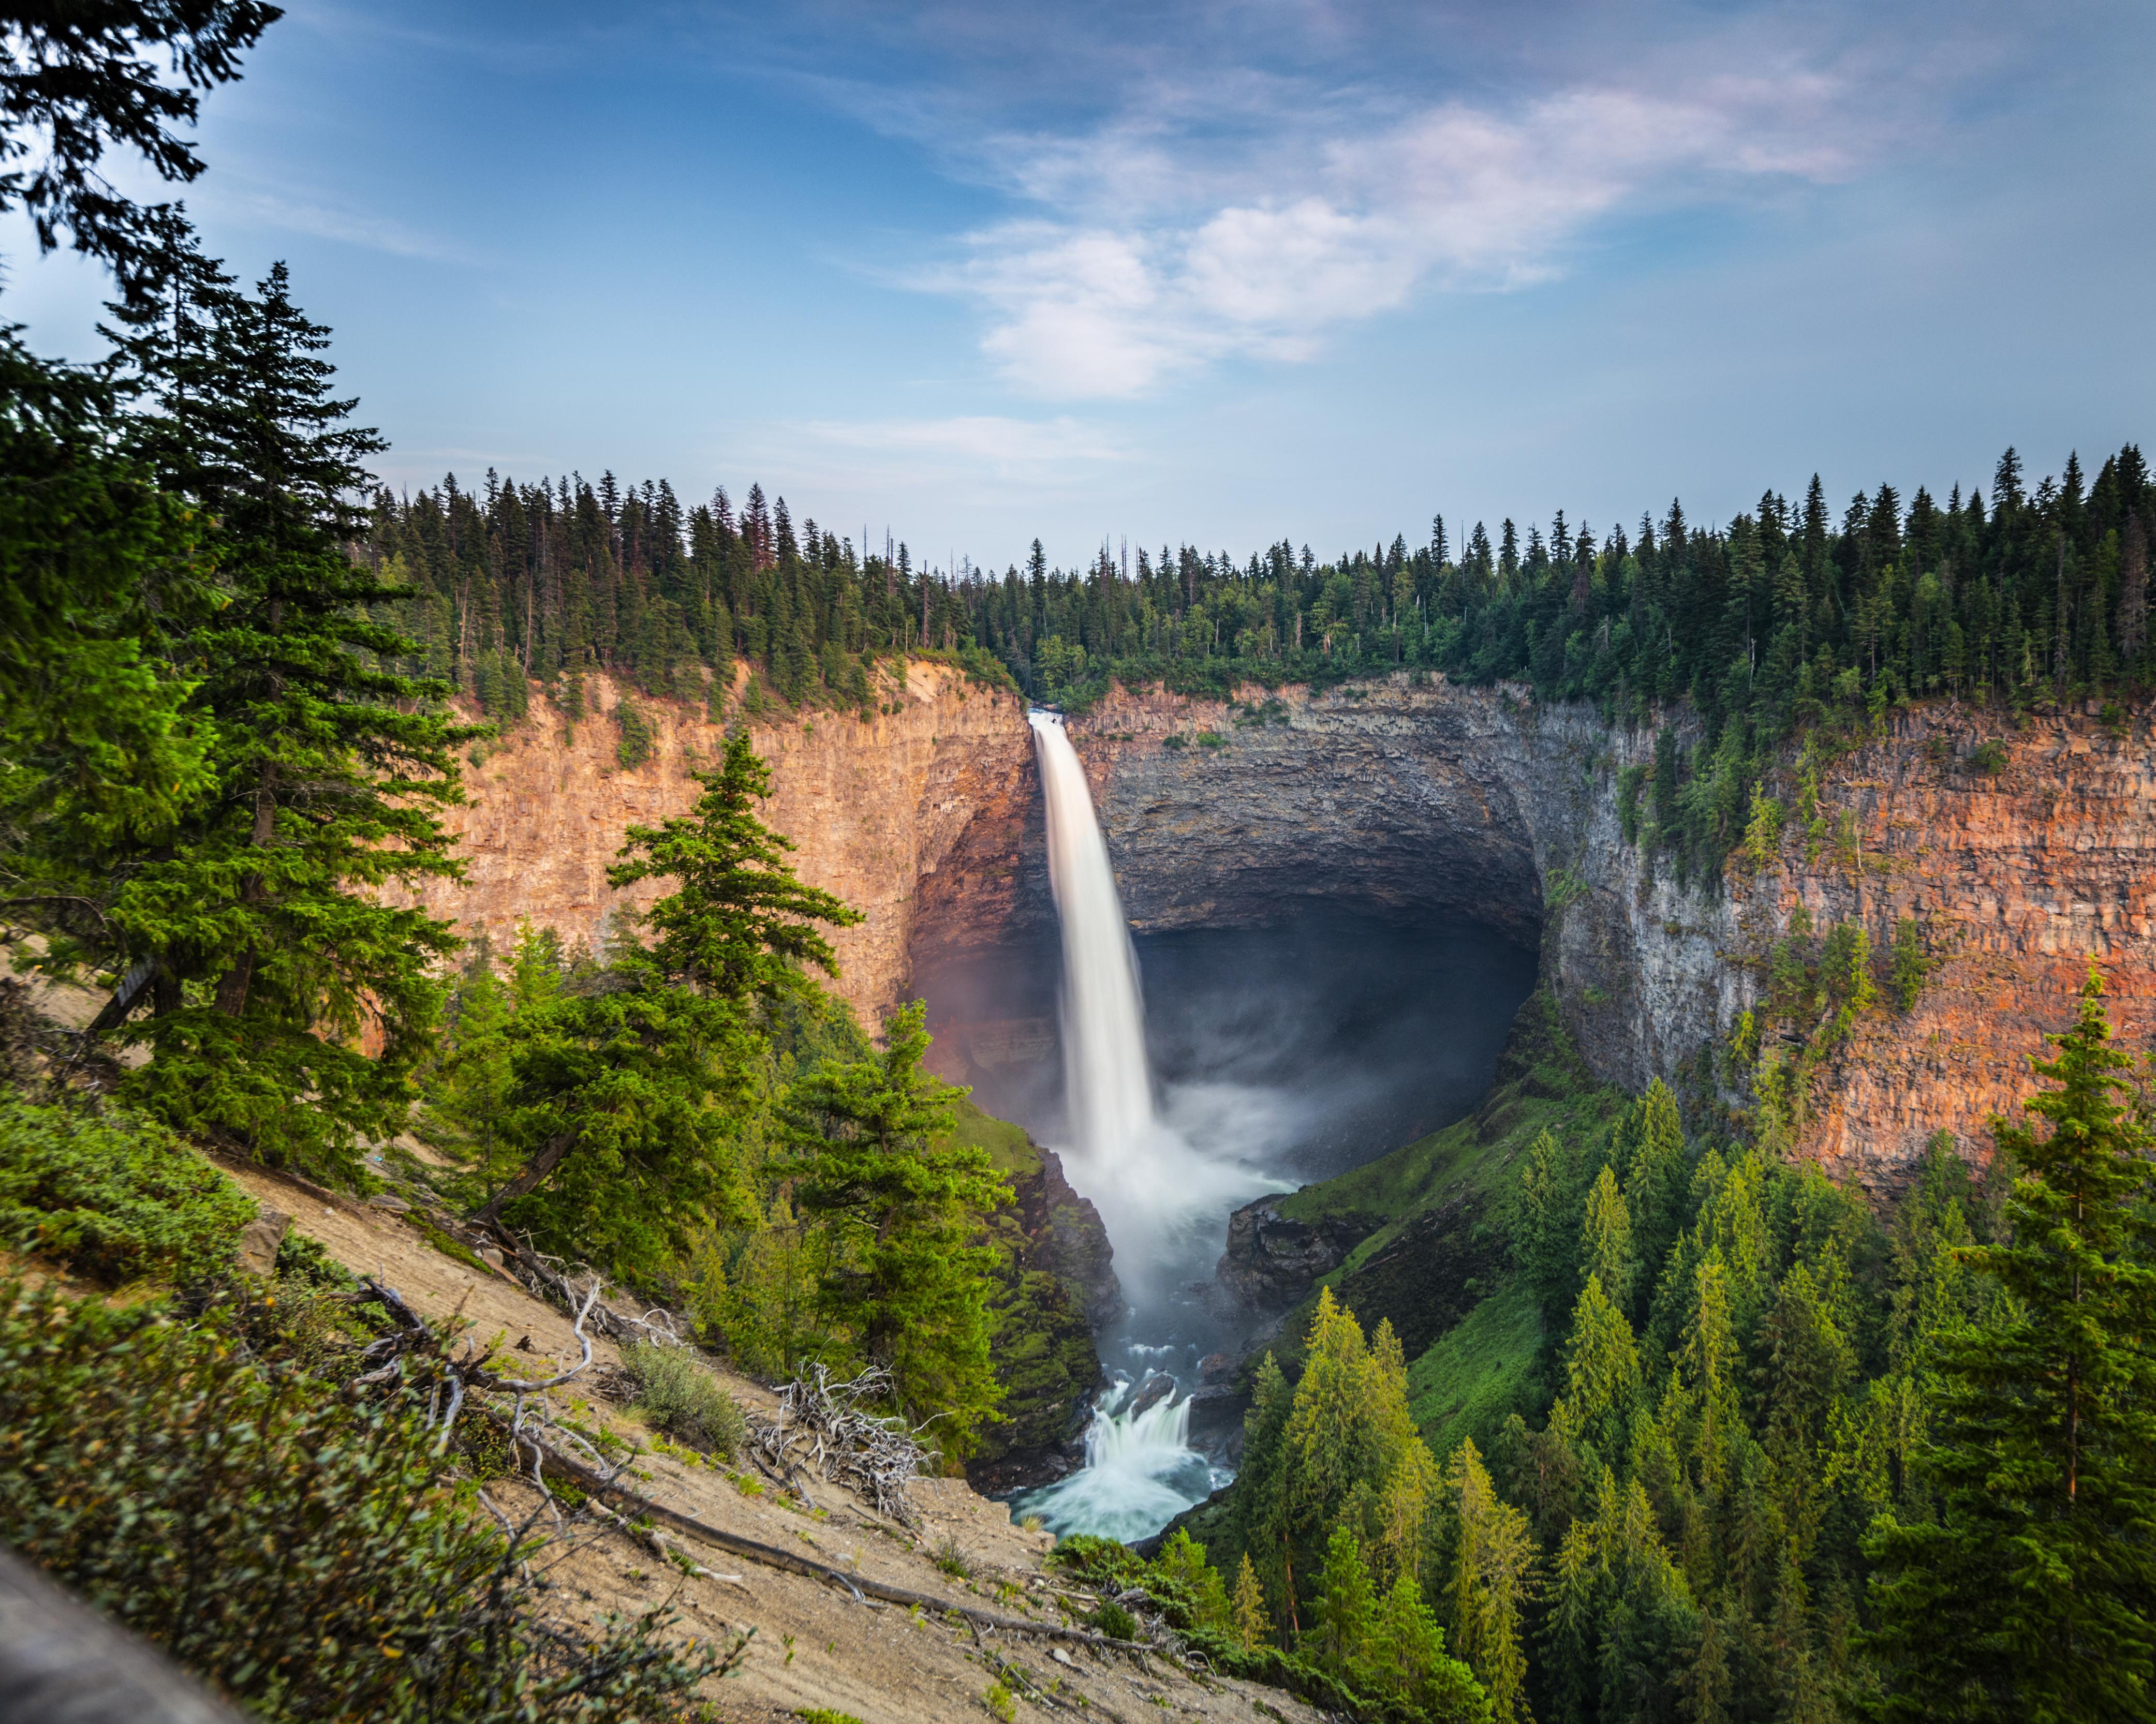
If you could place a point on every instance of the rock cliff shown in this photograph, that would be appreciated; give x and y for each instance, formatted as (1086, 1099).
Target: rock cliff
(880, 808)
(1428, 799)
(1423, 800)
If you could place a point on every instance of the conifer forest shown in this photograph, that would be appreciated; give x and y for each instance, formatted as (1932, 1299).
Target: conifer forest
(407, 1321)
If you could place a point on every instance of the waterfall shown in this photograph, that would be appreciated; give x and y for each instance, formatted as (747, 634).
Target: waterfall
(1163, 1201)
(1140, 1472)
(1158, 1195)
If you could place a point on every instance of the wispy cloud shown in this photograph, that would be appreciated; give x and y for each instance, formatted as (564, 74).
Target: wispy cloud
(1197, 183)
(237, 203)
(1154, 268)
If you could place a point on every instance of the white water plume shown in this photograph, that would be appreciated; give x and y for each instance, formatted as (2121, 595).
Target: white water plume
(1159, 1197)
(1140, 1472)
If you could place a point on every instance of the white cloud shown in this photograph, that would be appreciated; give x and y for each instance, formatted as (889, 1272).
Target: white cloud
(328, 221)
(1172, 246)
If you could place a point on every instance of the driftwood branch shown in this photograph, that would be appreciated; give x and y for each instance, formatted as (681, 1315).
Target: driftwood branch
(821, 1430)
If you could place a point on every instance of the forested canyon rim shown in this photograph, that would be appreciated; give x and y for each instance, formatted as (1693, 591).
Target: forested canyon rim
(1418, 798)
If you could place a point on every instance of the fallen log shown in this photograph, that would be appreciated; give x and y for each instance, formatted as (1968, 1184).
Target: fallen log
(772, 1556)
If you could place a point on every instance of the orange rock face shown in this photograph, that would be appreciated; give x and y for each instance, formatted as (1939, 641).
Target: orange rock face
(1420, 799)
(2022, 880)
(876, 807)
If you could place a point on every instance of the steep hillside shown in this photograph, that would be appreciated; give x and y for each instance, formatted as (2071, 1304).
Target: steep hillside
(815, 1645)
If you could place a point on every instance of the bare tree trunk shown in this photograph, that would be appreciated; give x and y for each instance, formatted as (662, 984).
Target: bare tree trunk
(532, 1175)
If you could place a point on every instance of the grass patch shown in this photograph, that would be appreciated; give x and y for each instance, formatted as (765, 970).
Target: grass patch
(447, 1243)
(952, 1560)
(1011, 1152)
(1471, 1378)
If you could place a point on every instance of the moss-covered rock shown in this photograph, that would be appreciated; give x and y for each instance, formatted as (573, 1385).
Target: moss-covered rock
(1055, 1286)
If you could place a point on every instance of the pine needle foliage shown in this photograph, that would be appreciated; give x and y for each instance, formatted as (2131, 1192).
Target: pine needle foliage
(906, 1208)
(2031, 1592)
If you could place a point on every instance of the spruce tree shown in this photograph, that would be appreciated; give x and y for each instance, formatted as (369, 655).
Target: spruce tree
(906, 1208)
(264, 916)
(2031, 1593)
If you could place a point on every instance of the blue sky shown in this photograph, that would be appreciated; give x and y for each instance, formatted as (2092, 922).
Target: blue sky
(982, 270)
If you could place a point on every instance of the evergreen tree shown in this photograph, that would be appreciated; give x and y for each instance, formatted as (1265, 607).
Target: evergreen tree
(1251, 1626)
(2031, 1593)
(738, 925)
(907, 1276)
(628, 1090)
(261, 914)
(1487, 1591)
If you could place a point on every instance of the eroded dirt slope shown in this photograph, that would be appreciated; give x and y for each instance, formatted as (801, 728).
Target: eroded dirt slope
(814, 1646)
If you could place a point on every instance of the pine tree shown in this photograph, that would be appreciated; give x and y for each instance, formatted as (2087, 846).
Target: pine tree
(628, 1091)
(263, 913)
(97, 572)
(1655, 1177)
(2032, 1592)
(738, 925)
(1345, 1615)
(1492, 1573)
(1606, 1242)
(1252, 1628)
(908, 1276)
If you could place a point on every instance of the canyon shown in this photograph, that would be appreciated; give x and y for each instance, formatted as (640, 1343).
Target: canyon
(1420, 801)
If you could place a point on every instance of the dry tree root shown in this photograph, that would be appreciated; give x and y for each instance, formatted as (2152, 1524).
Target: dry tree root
(821, 1430)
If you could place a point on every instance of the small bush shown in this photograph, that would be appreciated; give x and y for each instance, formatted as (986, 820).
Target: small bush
(114, 1198)
(1178, 741)
(1211, 739)
(998, 1700)
(1987, 758)
(825, 1715)
(308, 1557)
(682, 1399)
(952, 1560)
(1114, 1622)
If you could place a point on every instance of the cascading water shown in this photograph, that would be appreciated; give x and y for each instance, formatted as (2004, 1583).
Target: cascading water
(1161, 1199)
(1157, 1194)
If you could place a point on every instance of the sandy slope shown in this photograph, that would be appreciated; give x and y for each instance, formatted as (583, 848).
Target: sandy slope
(814, 1646)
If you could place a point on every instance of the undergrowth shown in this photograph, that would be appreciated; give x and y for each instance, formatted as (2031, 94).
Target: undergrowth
(204, 1480)
(112, 1196)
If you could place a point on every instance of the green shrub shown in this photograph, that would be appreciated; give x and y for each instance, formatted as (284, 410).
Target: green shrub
(113, 1197)
(1987, 758)
(638, 741)
(307, 1557)
(682, 1399)
(1114, 1622)
(1177, 742)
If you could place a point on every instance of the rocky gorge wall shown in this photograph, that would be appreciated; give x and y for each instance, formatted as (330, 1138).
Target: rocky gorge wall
(1429, 799)
(1420, 801)
(877, 807)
